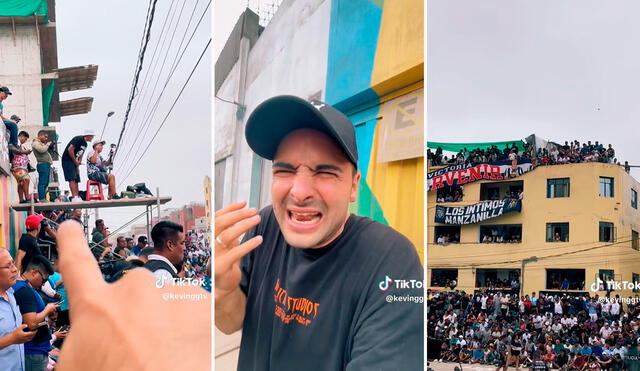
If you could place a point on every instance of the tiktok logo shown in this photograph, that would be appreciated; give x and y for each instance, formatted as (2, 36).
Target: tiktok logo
(384, 284)
(596, 285)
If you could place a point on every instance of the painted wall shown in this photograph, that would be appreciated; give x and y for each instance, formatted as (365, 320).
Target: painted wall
(20, 68)
(583, 210)
(376, 54)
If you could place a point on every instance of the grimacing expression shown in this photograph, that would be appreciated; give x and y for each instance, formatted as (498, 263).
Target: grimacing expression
(313, 184)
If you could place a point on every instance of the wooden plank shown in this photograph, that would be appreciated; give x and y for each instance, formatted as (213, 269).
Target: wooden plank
(94, 204)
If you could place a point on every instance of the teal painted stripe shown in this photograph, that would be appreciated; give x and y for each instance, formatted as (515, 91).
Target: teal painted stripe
(353, 39)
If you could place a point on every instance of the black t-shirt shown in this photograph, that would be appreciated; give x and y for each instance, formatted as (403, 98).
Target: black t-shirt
(79, 146)
(324, 309)
(27, 303)
(29, 245)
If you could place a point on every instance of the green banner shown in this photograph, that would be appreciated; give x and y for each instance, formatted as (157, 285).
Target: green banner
(23, 8)
(47, 94)
(457, 147)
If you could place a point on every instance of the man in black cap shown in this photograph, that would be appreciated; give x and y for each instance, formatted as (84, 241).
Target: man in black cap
(34, 311)
(12, 125)
(323, 290)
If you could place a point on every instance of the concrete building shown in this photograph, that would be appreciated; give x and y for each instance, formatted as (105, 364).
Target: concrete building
(578, 222)
(29, 67)
(363, 57)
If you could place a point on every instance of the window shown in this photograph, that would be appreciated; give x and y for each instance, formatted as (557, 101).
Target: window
(634, 199)
(443, 235)
(606, 275)
(565, 279)
(557, 232)
(634, 240)
(444, 277)
(606, 187)
(450, 194)
(498, 278)
(501, 190)
(501, 233)
(558, 187)
(606, 232)
(635, 277)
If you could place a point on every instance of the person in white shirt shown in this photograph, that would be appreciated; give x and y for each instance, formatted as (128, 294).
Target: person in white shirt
(168, 247)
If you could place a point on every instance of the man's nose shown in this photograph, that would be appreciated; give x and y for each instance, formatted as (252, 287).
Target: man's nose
(302, 188)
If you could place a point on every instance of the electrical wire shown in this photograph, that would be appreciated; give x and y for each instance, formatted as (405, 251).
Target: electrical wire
(140, 63)
(170, 110)
(148, 118)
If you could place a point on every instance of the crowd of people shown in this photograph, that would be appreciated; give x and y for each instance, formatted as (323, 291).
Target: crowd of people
(550, 331)
(554, 154)
(34, 291)
(44, 149)
(197, 254)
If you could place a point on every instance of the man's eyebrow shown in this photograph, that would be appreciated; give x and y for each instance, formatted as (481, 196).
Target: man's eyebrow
(320, 167)
(284, 165)
(328, 167)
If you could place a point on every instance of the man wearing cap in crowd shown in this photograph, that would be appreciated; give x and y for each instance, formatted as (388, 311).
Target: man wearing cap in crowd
(72, 158)
(11, 124)
(311, 285)
(40, 146)
(142, 243)
(12, 334)
(28, 245)
(34, 311)
(96, 169)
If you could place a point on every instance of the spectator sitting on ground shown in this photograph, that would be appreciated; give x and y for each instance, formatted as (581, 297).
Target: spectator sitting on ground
(96, 169)
(121, 247)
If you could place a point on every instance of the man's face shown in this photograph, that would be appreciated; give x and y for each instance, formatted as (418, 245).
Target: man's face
(22, 139)
(178, 248)
(98, 147)
(130, 244)
(3, 95)
(313, 184)
(76, 214)
(43, 137)
(121, 242)
(8, 271)
(88, 138)
(38, 279)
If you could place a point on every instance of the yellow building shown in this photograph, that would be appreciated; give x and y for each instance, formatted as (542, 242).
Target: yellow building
(590, 209)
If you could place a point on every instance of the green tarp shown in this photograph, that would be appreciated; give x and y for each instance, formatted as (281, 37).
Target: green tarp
(457, 147)
(47, 94)
(22, 8)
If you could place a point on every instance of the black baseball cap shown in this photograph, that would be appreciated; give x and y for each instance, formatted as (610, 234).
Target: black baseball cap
(276, 117)
(5, 90)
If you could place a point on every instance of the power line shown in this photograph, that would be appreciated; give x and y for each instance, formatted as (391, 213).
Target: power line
(175, 63)
(162, 40)
(155, 85)
(134, 86)
(142, 91)
(170, 110)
